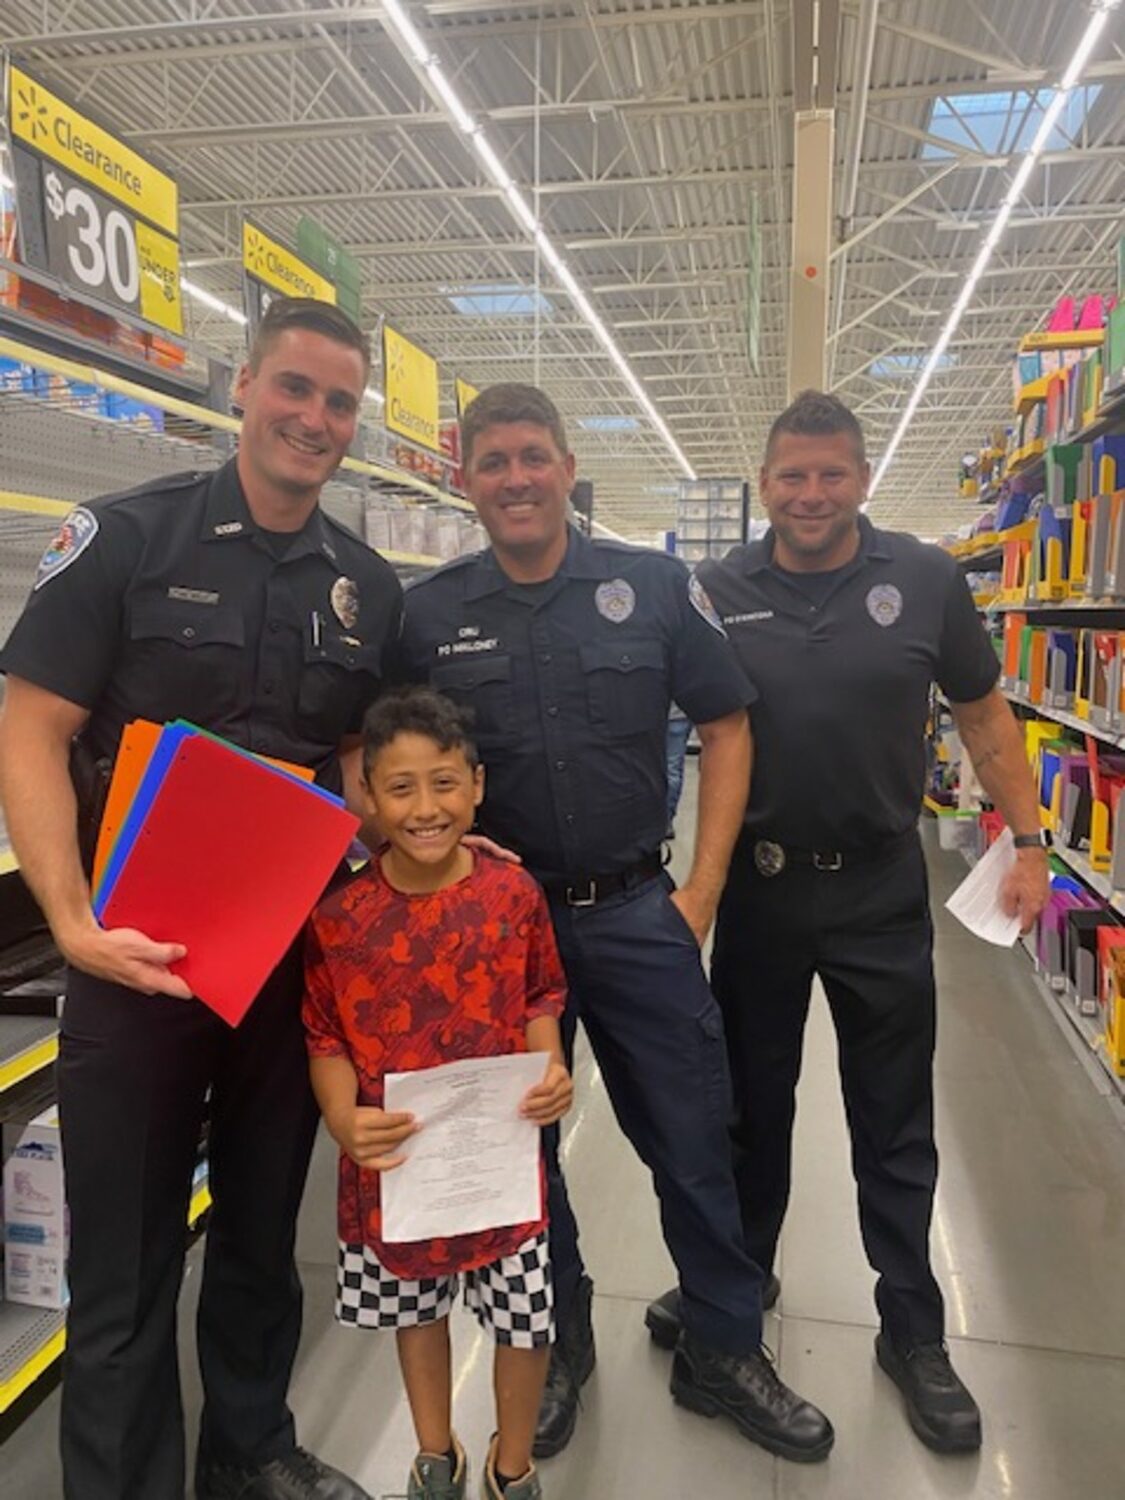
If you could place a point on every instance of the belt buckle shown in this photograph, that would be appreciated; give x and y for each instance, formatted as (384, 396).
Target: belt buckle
(833, 861)
(589, 899)
(769, 858)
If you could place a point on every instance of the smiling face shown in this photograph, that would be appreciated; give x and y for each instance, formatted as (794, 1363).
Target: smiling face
(300, 408)
(423, 800)
(812, 487)
(520, 480)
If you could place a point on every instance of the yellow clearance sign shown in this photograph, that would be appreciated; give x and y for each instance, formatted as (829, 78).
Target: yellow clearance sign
(268, 262)
(410, 385)
(44, 122)
(464, 394)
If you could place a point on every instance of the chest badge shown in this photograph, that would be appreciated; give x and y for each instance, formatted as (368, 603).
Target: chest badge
(70, 541)
(615, 600)
(344, 599)
(884, 604)
(769, 858)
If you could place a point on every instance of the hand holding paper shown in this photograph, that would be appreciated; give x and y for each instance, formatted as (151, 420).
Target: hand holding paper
(978, 900)
(474, 1163)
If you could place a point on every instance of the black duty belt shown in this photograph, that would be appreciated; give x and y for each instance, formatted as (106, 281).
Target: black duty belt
(588, 890)
(770, 858)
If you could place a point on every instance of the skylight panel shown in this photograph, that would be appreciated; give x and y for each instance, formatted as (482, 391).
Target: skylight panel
(501, 301)
(1006, 122)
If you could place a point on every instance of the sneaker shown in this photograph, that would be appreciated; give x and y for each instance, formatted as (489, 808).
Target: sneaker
(746, 1388)
(433, 1477)
(663, 1318)
(527, 1488)
(939, 1405)
(296, 1475)
(573, 1357)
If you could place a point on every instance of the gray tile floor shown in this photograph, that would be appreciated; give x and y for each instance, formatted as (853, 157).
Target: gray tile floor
(1029, 1244)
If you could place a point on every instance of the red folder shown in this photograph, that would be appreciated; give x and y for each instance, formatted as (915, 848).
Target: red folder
(230, 861)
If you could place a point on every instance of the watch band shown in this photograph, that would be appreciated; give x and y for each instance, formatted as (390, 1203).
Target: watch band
(1040, 840)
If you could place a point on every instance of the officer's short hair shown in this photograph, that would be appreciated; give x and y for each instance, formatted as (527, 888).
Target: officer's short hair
(816, 414)
(500, 404)
(311, 313)
(417, 710)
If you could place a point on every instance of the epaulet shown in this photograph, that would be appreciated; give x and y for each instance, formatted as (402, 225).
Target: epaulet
(452, 566)
(159, 486)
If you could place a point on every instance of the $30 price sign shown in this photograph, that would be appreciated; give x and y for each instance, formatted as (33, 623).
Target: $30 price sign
(98, 247)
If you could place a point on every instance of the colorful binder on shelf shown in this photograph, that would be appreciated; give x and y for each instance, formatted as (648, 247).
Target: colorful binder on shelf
(225, 853)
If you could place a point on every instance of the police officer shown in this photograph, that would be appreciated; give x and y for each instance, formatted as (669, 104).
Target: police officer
(231, 600)
(844, 627)
(569, 652)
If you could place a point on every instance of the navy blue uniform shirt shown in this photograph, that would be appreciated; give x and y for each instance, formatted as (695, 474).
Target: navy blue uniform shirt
(570, 683)
(843, 682)
(169, 602)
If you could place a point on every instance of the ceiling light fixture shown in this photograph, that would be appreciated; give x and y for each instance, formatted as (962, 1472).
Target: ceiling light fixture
(1094, 29)
(415, 48)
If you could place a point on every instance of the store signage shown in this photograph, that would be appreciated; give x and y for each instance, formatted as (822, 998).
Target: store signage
(272, 264)
(464, 394)
(329, 256)
(92, 213)
(410, 386)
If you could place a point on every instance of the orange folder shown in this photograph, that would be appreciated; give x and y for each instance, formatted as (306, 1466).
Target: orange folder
(138, 740)
(230, 860)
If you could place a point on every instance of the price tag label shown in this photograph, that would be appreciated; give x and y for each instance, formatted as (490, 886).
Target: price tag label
(103, 245)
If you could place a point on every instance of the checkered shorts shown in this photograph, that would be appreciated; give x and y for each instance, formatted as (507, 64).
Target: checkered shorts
(512, 1297)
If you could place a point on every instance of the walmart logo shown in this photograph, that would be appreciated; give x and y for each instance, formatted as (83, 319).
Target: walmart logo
(29, 111)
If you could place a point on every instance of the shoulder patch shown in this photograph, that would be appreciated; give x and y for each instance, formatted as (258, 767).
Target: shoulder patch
(701, 603)
(70, 541)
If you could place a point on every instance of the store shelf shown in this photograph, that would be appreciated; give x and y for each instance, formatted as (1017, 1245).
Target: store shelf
(1084, 1035)
(33, 1338)
(1069, 606)
(27, 1044)
(1076, 338)
(1113, 737)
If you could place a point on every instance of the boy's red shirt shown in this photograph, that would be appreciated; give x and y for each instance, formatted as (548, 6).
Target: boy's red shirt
(397, 981)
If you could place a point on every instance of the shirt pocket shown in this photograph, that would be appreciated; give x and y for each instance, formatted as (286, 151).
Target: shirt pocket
(484, 685)
(626, 687)
(338, 682)
(184, 660)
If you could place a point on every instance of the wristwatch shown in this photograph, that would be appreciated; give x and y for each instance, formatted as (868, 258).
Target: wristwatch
(1040, 840)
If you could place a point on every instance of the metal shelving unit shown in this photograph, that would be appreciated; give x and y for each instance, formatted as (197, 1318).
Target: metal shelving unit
(711, 517)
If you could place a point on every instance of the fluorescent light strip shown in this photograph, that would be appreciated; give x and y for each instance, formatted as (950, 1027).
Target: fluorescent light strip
(1094, 29)
(398, 22)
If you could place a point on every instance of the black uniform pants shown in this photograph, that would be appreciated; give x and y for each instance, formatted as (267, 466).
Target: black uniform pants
(637, 984)
(866, 930)
(134, 1072)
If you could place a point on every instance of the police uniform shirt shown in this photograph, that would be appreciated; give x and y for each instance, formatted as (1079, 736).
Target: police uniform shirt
(170, 602)
(570, 683)
(839, 754)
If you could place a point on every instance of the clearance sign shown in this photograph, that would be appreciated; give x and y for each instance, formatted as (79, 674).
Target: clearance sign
(410, 386)
(92, 212)
(274, 266)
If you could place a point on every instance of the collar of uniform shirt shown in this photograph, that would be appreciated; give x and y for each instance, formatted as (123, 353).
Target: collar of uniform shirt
(227, 516)
(759, 555)
(582, 560)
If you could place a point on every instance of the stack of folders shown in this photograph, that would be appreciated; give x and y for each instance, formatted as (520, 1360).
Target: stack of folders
(210, 846)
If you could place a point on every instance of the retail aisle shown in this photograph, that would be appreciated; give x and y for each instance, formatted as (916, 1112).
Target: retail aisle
(1028, 1245)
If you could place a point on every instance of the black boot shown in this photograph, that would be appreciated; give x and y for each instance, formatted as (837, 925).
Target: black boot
(746, 1388)
(573, 1357)
(663, 1321)
(940, 1408)
(296, 1475)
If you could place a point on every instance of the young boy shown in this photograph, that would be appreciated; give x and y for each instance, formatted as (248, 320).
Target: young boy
(433, 953)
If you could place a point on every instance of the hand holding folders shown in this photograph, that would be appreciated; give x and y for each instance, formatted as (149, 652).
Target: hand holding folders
(207, 845)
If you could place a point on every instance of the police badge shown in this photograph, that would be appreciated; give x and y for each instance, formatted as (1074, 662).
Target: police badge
(344, 599)
(884, 604)
(615, 600)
